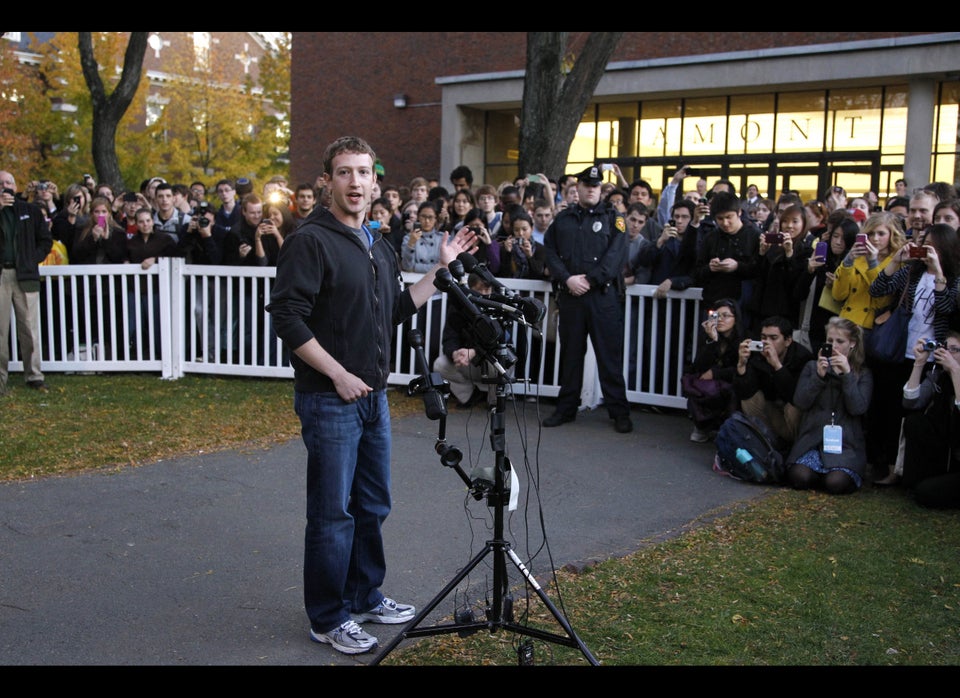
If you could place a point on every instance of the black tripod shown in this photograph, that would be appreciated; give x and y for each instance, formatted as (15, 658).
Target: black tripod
(500, 612)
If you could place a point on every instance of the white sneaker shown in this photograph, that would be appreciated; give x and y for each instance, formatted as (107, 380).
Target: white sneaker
(387, 611)
(348, 638)
(698, 436)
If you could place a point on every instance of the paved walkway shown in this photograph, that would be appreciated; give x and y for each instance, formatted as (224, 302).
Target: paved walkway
(197, 560)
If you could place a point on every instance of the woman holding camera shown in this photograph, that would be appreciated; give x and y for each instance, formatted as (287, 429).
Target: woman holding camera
(931, 432)
(923, 274)
(833, 394)
(70, 220)
(879, 239)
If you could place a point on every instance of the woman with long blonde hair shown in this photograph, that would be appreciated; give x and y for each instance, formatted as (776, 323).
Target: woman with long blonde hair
(881, 235)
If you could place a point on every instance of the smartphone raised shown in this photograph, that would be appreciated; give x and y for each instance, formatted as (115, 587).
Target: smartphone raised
(861, 238)
(826, 349)
(917, 252)
(820, 251)
(102, 221)
(773, 238)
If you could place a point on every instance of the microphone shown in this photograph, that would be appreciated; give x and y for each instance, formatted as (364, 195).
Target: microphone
(532, 310)
(488, 302)
(456, 269)
(471, 264)
(433, 403)
(484, 330)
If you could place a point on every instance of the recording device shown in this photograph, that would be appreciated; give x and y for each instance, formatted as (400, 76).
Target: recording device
(756, 345)
(431, 385)
(917, 252)
(691, 172)
(77, 199)
(606, 167)
(373, 225)
(535, 179)
(198, 213)
(773, 238)
(42, 186)
(11, 192)
(826, 349)
(86, 177)
(714, 317)
(532, 310)
(820, 253)
(861, 238)
(276, 197)
(102, 221)
(672, 223)
(485, 330)
(932, 345)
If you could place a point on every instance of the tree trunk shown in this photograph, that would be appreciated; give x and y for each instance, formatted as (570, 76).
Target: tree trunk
(108, 111)
(554, 100)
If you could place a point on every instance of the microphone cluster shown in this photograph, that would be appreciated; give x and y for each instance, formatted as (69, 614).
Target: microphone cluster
(530, 311)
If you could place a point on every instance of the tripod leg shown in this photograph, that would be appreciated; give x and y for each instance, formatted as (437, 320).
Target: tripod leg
(409, 629)
(572, 641)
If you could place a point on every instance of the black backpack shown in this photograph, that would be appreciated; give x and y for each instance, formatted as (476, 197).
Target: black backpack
(747, 449)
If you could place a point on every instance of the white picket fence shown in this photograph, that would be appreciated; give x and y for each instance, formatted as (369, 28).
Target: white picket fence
(177, 318)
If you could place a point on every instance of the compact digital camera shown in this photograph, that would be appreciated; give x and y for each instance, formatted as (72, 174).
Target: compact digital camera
(756, 345)
(932, 345)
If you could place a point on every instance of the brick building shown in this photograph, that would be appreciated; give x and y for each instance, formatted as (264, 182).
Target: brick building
(783, 109)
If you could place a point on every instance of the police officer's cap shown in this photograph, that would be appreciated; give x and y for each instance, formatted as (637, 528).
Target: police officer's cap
(591, 176)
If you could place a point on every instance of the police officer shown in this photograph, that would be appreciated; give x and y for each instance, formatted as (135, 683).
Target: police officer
(586, 248)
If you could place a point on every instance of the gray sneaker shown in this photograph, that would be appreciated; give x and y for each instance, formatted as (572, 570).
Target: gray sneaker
(387, 611)
(348, 638)
(699, 436)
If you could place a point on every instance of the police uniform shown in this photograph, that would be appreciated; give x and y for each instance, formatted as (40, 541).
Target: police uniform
(592, 242)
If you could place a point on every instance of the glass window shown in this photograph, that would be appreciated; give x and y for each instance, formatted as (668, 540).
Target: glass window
(617, 130)
(856, 119)
(800, 122)
(944, 167)
(704, 126)
(751, 125)
(660, 124)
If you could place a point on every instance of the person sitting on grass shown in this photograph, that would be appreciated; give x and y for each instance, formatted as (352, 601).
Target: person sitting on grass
(833, 395)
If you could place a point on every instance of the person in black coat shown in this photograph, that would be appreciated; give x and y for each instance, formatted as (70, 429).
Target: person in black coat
(931, 428)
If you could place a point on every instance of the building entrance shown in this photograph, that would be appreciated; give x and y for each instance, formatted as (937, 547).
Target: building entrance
(809, 174)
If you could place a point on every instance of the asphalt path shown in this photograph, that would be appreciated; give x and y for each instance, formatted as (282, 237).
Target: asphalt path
(197, 561)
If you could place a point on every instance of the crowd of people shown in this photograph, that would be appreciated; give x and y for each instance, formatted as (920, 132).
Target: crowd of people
(791, 292)
(774, 274)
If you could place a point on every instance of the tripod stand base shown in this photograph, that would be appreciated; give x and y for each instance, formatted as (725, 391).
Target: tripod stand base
(497, 621)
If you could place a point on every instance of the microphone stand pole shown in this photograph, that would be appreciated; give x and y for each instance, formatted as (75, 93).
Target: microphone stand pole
(500, 612)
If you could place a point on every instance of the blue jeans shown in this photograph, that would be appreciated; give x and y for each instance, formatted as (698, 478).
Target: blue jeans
(348, 498)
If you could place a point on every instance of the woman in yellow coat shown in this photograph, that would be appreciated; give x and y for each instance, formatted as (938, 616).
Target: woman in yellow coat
(863, 263)
(866, 259)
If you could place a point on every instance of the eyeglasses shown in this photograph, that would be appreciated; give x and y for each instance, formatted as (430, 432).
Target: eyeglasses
(953, 350)
(724, 316)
